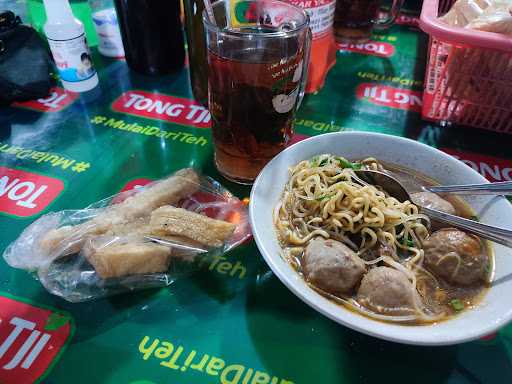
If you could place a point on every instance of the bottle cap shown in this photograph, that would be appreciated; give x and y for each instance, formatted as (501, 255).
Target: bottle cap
(58, 11)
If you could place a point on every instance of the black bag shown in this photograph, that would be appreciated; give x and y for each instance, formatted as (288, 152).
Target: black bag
(25, 66)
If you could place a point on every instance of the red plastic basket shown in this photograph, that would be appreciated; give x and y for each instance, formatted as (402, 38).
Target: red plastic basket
(469, 73)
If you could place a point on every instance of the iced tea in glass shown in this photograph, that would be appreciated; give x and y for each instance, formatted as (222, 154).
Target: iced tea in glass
(257, 63)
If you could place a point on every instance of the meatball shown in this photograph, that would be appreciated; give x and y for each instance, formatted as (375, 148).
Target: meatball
(387, 291)
(457, 257)
(433, 201)
(332, 266)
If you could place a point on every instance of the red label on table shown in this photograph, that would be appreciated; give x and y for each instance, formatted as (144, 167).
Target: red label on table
(492, 168)
(135, 184)
(403, 19)
(398, 98)
(412, 21)
(375, 48)
(58, 99)
(25, 193)
(163, 107)
(132, 185)
(297, 137)
(31, 338)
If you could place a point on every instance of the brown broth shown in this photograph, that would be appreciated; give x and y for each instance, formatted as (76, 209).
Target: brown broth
(471, 295)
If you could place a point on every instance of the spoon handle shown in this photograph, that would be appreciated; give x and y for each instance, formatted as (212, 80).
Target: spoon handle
(499, 235)
(500, 188)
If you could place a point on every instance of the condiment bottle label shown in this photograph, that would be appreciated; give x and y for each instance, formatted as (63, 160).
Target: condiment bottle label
(107, 27)
(257, 13)
(321, 14)
(72, 58)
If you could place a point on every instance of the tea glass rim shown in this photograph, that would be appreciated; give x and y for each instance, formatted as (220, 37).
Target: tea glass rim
(244, 35)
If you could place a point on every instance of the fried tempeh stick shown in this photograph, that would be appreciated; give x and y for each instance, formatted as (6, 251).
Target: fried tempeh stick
(168, 220)
(168, 191)
(118, 260)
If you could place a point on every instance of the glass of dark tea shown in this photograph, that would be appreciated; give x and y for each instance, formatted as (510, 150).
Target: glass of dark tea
(258, 54)
(354, 19)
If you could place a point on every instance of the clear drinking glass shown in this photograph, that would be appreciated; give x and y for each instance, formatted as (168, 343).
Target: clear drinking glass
(354, 19)
(258, 53)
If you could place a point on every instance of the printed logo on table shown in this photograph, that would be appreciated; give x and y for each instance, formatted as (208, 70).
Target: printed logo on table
(403, 19)
(25, 193)
(31, 340)
(391, 97)
(375, 48)
(163, 107)
(409, 20)
(492, 168)
(58, 99)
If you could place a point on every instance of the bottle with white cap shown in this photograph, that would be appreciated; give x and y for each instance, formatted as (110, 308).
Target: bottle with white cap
(66, 37)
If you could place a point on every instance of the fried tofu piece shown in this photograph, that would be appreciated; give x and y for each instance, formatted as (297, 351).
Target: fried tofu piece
(138, 226)
(168, 220)
(127, 258)
(53, 238)
(74, 236)
(168, 191)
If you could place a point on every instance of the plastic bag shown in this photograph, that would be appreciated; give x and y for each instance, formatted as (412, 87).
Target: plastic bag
(133, 240)
(483, 15)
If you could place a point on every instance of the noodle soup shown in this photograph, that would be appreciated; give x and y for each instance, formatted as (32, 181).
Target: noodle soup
(380, 257)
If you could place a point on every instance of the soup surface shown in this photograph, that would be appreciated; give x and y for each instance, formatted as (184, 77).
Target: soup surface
(381, 257)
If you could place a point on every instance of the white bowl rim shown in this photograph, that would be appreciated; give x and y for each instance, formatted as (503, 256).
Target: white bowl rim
(312, 300)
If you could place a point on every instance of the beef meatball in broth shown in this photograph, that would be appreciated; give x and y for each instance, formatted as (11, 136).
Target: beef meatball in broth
(433, 201)
(455, 256)
(387, 291)
(332, 266)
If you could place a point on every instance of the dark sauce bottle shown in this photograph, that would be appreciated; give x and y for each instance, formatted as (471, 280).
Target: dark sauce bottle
(152, 35)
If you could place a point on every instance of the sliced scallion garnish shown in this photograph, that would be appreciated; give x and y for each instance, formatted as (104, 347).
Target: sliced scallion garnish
(457, 304)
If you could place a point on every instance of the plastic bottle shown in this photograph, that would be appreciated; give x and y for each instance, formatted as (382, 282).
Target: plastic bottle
(104, 17)
(197, 53)
(81, 10)
(66, 37)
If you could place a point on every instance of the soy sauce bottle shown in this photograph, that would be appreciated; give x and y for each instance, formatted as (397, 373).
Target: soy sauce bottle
(152, 35)
(197, 53)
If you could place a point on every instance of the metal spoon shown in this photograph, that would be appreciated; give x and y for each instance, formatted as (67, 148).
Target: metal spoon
(395, 188)
(501, 188)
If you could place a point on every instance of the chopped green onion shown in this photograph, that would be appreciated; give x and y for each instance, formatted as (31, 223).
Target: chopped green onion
(408, 242)
(321, 198)
(457, 304)
(323, 162)
(474, 218)
(344, 163)
(347, 164)
(488, 268)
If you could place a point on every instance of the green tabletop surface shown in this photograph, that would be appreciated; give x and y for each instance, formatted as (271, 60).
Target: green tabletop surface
(232, 325)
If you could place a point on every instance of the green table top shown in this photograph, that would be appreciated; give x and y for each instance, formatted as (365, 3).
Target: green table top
(221, 325)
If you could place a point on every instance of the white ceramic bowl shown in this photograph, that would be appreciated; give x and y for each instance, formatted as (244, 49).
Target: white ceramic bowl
(493, 312)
